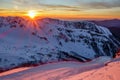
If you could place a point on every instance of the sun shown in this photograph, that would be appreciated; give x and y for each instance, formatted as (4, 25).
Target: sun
(32, 14)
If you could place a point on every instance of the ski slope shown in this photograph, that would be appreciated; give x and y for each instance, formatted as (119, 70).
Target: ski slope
(102, 68)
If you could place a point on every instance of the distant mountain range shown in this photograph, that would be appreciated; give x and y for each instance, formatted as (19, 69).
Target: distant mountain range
(113, 25)
(109, 23)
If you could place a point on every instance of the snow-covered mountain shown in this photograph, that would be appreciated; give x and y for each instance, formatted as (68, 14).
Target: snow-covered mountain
(113, 25)
(24, 41)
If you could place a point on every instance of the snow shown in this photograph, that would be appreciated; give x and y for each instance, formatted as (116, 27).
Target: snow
(109, 72)
(48, 40)
(104, 68)
(14, 71)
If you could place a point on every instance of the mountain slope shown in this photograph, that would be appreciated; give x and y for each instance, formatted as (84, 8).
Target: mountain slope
(113, 25)
(24, 42)
(101, 68)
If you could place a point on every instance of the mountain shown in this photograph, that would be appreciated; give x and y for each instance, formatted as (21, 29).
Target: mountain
(26, 42)
(103, 68)
(113, 25)
(109, 23)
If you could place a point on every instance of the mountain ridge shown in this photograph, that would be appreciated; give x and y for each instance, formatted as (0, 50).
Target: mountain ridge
(47, 40)
(113, 25)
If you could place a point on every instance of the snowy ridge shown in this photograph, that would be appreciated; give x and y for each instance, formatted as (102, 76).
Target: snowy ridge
(24, 42)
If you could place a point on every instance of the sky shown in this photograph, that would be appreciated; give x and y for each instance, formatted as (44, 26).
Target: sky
(68, 9)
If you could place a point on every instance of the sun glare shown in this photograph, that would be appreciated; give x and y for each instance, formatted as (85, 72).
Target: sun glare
(32, 14)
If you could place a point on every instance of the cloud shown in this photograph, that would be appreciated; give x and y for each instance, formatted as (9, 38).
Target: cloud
(9, 12)
(20, 2)
(62, 7)
(85, 6)
(3, 9)
(100, 4)
(57, 6)
(104, 5)
(43, 5)
(65, 5)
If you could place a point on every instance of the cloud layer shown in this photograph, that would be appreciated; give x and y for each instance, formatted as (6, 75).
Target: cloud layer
(76, 7)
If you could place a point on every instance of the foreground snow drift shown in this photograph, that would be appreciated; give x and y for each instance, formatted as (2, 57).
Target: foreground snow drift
(100, 68)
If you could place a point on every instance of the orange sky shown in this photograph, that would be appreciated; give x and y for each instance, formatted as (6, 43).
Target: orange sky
(69, 9)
